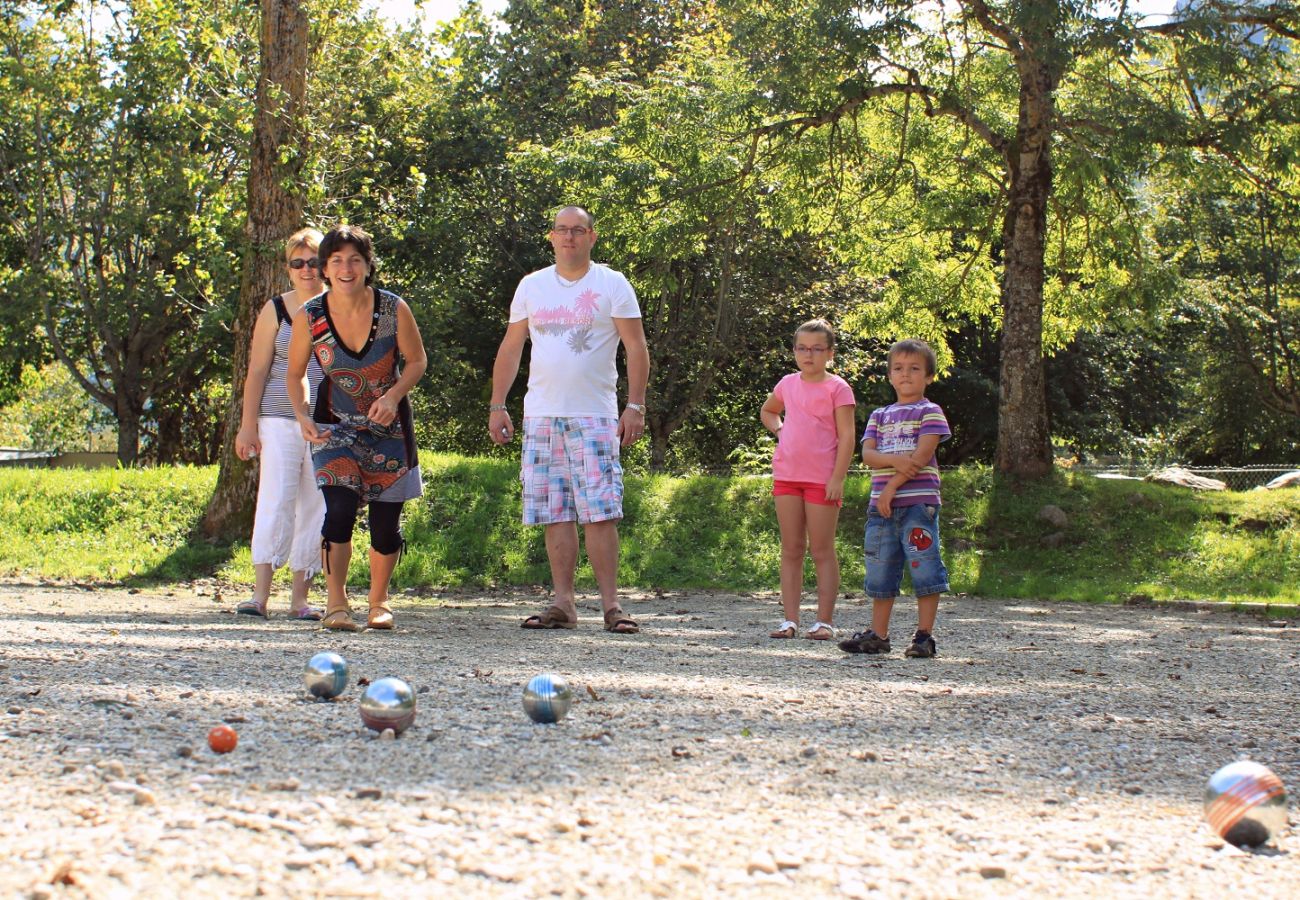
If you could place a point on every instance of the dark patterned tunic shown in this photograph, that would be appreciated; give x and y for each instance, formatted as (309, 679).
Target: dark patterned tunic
(378, 462)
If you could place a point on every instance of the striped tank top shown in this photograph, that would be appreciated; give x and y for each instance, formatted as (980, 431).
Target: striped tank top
(275, 398)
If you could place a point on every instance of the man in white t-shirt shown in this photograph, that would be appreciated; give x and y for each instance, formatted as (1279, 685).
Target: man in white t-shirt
(576, 313)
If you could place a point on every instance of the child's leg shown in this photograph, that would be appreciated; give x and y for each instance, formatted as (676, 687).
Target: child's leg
(883, 550)
(822, 521)
(927, 610)
(794, 545)
(881, 610)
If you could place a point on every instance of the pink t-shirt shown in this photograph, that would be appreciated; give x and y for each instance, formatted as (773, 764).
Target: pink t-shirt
(808, 441)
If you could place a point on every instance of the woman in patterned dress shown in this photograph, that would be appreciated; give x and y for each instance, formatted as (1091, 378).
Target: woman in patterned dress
(289, 507)
(359, 422)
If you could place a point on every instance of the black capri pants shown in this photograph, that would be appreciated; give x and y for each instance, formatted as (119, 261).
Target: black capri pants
(341, 505)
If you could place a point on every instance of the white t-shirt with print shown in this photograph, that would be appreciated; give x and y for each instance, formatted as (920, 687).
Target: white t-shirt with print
(571, 369)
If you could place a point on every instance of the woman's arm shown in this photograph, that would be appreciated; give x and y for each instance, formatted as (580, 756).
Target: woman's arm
(384, 409)
(295, 382)
(260, 356)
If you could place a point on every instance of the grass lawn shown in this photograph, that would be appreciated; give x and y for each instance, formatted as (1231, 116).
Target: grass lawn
(1122, 537)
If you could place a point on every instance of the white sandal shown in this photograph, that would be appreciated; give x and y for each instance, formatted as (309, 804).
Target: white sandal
(815, 633)
(788, 629)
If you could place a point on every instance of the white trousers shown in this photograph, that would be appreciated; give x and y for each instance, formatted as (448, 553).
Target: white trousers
(290, 508)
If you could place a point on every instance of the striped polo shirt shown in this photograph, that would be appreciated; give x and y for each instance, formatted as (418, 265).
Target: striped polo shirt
(896, 429)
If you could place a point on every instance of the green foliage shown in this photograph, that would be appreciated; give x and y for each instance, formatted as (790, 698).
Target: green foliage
(699, 531)
(52, 412)
(747, 172)
(122, 147)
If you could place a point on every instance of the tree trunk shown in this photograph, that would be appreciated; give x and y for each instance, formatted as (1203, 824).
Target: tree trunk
(274, 212)
(1024, 438)
(128, 434)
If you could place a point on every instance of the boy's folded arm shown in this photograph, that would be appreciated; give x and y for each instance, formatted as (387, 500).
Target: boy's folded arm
(926, 445)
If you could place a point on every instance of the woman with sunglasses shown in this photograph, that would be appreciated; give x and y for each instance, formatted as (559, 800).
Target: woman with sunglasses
(286, 526)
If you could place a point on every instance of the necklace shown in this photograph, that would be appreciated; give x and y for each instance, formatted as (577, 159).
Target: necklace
(565, 282)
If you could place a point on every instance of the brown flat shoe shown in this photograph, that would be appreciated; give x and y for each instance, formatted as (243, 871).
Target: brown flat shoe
(380, 618)
(338, 620)
(617, 622)
(551, 617)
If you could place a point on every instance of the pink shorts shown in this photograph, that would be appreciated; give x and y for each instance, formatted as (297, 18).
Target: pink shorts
(810, 492)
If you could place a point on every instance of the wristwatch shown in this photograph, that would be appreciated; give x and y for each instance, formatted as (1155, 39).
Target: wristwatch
(637, 407)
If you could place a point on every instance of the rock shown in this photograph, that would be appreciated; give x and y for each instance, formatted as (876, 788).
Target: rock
(762, 861)
(1180, 477)
(1054, 516)
(1289, 479)
(369, 793)
(145, 797)
(112, 768)
(993, 872)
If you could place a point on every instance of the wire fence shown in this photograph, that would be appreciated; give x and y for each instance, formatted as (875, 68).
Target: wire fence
(1237, 478)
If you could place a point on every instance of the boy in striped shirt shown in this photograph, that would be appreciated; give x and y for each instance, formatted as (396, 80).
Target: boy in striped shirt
(903, 519)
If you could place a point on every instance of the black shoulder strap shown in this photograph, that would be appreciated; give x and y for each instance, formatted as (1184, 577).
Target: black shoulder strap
(281, 314)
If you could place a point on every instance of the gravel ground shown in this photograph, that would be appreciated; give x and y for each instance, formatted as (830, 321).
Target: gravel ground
(1050, 749)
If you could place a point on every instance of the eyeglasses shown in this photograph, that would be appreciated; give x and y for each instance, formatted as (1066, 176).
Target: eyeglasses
(800, 348)
(575, 230)
(312, 263)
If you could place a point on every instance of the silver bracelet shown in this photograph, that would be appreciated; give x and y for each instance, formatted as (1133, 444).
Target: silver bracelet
(496, 407)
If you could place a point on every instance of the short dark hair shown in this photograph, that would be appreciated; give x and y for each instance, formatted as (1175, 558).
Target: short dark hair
(341, 236)
(591, 220)
(914, 347)
(818, 326)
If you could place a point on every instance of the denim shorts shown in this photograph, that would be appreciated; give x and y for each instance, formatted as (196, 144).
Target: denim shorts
(909, 539)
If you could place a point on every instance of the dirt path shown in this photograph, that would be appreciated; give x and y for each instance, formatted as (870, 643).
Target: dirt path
(1050, 749)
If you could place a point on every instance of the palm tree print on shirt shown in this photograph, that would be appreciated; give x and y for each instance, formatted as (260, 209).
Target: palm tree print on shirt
(574, 321)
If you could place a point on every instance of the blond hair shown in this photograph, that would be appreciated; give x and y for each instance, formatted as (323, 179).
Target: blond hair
(304, 237)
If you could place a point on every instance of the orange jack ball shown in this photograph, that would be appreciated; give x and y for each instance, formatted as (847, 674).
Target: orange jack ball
(222, 739)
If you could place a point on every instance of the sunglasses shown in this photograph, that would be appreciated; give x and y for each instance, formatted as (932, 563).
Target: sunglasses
(308, 263)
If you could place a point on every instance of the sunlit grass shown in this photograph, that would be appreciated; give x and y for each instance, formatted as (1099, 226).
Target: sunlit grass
(1122, 539)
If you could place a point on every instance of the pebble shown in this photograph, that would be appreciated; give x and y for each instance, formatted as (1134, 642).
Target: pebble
(762, 796)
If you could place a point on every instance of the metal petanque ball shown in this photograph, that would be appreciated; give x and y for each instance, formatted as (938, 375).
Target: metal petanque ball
(388, 703)
(547, 698)
(1245, 803)
(326, 675)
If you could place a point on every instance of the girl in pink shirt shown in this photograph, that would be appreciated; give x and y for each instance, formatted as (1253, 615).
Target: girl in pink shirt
(811, 414)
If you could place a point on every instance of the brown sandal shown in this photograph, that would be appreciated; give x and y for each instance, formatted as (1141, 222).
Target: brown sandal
(338, 620)
(380, 618)
(551, 617)
(617, 622)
